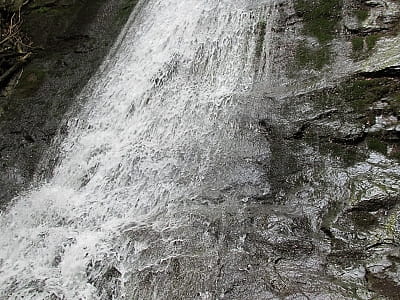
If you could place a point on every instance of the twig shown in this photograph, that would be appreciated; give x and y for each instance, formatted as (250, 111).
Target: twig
(14, 68)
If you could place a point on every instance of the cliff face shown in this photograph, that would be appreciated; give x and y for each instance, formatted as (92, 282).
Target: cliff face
(337, 139)
(66, 41)
(330, 227)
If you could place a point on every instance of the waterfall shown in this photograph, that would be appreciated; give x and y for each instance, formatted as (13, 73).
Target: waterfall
(165, 146)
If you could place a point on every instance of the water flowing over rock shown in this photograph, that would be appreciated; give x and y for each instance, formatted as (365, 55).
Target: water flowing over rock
(199, 163)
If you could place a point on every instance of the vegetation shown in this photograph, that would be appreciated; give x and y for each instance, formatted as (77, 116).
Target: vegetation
(15, 46)
(361, 14)
(371, 41)
(391, 224)
(377, 145)
(364, 45)
(315, 58)
(357, 43)
(361, 93)
(320, 19)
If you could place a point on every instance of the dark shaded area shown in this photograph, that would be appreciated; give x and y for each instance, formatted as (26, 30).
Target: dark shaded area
(71, 39)
(393, 71)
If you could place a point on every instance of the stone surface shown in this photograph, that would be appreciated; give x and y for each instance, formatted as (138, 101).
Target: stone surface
(73, 37)
(328, 229)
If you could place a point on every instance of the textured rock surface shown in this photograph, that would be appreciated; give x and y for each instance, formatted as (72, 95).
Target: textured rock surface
(71, 37)
(329, 228)
(350, 125)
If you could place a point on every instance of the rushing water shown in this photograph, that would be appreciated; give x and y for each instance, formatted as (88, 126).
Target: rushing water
(166, 144)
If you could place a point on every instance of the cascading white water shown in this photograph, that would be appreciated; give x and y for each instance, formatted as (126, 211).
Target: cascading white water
(167, 124)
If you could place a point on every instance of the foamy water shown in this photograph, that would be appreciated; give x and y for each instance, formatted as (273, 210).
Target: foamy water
(166, 122)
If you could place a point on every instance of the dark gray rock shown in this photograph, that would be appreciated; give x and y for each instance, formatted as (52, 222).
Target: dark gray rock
(75, 37)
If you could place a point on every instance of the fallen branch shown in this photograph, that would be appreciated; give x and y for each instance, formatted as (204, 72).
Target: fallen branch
(15, 47)
(7, 75)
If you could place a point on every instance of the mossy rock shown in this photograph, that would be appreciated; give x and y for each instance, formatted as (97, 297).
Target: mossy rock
(395, 154)
(354, 103)
(391, 224)
(364, 220)
(320, 18)
(320, 21)
(43, 10)
(383, 285)
(362, 46)
(361, 14)
(314, 58)
(394, 104)
(362, 92)
(377, 145)
(371, 41)
(357, 44)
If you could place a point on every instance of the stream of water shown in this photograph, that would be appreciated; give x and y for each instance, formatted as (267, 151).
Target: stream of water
(167, 133)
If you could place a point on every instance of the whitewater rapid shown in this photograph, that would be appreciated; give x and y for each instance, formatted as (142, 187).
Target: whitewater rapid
(166, 129)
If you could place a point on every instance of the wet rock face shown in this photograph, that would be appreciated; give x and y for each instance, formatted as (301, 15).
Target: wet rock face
(347, 112)
(372, 16)
(70, 39)
(330, 227)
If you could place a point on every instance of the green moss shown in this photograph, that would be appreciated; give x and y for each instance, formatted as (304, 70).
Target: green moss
(357, 44)
(377, 145)
(363, 46)
(361, 14)
(371, 41)
(315, 58)
(320, 18)
(361, 93)
(356, 93)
